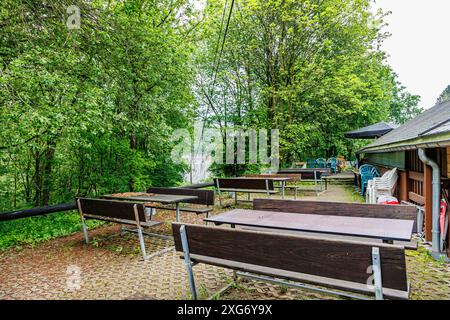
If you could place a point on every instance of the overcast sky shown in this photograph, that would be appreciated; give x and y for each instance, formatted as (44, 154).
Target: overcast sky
(419, 48)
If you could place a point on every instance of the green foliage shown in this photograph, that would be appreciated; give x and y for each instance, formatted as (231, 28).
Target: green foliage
(90, 111)
(404, 107)
(30, 231)
(445, 95)
(312, 69)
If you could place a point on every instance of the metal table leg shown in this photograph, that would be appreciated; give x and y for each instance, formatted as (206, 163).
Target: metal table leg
(177, 206)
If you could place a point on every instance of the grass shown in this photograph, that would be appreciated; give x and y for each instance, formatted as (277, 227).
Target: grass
(354, 195)
(30, 231)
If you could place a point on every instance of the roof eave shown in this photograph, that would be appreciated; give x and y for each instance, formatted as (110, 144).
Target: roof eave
(429, 141)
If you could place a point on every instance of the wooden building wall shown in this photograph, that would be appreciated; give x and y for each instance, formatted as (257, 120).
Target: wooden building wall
(415, 180)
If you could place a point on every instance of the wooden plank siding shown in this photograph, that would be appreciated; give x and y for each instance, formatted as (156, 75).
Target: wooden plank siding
(428, 197)
(448, 162)
(415, 188)
(415, 182)
(403, 187)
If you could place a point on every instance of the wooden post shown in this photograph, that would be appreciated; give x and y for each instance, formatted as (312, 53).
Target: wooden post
(448, 163)
(403, 186)
(428, 195)
(448, 176)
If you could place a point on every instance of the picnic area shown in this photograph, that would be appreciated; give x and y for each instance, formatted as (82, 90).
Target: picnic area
(111, 265)
(221, 150)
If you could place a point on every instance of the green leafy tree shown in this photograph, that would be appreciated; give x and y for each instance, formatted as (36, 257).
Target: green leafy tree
(445, 95)
(312, 69)
(88, 111)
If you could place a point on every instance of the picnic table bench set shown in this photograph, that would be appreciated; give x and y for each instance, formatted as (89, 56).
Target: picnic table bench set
(345, 249)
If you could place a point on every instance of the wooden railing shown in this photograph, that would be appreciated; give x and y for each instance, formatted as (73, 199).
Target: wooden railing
(416, 187)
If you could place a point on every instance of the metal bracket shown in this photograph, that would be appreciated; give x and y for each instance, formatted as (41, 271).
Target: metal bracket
(83, 222)
(139, 230)
(376, 265)
(298, 285)
(315, 182)
(219, 193)
(187, 261)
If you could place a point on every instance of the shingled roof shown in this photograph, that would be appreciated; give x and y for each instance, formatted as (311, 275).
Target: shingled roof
(433, 125)
(374, 131)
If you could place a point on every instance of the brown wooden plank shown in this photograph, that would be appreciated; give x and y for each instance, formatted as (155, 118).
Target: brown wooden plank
(307, 173)
(122, 221)
(291, 176)
(448, 163)
(413, 175)
(416, 198)
(205, 197)
(150, 197)
(247, 190)
(428, 201)
(342, 260)
(112, 209)
(247, 183)
(405, 212)
(384, 229)
(409, 245)
(403, 185)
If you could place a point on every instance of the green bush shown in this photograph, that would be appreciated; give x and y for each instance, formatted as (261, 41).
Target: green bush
(36, 229)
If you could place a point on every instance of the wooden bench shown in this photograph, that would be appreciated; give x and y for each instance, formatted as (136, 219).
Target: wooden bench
(310, 175)
(244, 185)
(371, 269)
(404, 212)
(115, 211)
(294, 177)
(204, 198)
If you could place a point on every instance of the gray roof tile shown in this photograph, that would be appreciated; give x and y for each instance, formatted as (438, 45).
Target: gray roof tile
(431, 121)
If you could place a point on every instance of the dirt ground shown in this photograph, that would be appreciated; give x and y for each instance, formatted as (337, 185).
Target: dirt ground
(111, 267)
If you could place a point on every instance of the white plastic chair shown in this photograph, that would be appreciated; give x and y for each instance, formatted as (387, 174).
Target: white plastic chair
(384, 185)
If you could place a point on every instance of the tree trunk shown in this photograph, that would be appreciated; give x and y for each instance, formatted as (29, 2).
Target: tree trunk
(37, 179)
(49, 155)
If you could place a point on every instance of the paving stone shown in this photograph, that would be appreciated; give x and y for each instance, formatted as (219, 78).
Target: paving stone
(111, 267)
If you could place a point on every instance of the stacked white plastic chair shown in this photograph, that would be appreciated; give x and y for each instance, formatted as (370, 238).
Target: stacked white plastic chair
(384, 185)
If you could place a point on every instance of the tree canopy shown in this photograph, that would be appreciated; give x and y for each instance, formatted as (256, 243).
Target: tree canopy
(91, 110)
(445, 95)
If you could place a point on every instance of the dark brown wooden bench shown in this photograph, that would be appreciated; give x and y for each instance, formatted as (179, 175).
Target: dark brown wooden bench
(244, 185)
(307, 173)
(115, 211)
(307, 262)
(205, 198)
(295, 178)
(310, 175)
(404, 212)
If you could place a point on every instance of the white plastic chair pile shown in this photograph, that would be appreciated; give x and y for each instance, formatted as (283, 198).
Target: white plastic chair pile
(384, 185)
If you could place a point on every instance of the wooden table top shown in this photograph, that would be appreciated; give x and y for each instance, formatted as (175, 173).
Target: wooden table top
(300, 170)
(150, 197)
(385, 229)
(266, 177)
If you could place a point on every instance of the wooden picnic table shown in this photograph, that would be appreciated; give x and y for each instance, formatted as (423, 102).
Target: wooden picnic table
(387, 230)
(147, 198)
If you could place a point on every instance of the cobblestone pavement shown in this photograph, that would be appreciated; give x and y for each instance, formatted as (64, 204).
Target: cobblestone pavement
(111, 267)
